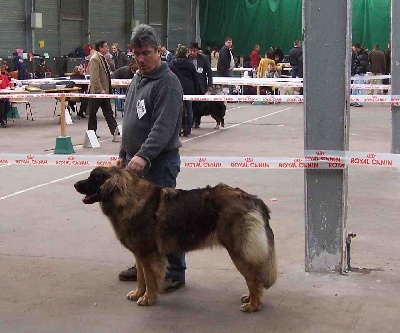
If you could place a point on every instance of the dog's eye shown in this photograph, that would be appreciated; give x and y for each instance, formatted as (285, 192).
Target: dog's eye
(97, 176)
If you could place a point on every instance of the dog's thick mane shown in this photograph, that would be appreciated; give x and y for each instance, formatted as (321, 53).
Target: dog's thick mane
(129, 198)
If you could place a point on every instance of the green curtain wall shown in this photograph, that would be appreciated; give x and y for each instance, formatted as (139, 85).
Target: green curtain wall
(279, 22)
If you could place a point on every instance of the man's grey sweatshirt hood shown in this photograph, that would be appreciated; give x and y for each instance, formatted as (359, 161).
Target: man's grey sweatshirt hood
(153, 115)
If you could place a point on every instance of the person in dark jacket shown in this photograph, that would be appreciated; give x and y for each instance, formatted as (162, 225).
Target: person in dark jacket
(226, 61)
(203, 68)
(120, 60)
(40, 71)
(278, 53)
(378, 66)
(184, 69)
(294, 58)
(388, 61)
(360, 66)
(125, 72)
(150, 133)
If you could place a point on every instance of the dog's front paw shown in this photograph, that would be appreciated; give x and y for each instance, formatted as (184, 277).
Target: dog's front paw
(134, 295)
(146, 300)
(249, 307)
(216, 127)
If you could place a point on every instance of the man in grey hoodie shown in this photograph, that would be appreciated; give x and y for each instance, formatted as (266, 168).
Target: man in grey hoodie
(150, 134)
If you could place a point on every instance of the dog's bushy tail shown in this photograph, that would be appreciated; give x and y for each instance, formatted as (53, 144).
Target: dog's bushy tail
(269, 272)
(259, 246)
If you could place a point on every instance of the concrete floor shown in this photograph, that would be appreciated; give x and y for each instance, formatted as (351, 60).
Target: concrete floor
(60, 259)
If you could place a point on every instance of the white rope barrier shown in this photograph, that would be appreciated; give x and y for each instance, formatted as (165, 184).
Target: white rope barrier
(216, 80)
(313, 159)
(395, 99)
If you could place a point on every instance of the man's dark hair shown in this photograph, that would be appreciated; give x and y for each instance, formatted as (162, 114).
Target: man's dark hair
(357, 45)
(376, 47)
(145, 35)
(99, 44)
(228, 38)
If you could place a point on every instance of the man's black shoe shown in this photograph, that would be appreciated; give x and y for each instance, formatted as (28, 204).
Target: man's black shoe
(129, 274)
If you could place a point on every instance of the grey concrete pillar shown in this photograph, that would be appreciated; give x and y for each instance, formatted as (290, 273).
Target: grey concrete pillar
(327, 61)
(395, 70)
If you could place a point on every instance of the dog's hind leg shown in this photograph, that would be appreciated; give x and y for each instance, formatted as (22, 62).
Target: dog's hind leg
(217, 120)
(252, 273)
(154, 271)
(135, 294)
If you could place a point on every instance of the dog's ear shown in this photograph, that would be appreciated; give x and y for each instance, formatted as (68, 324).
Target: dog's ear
(117, 183)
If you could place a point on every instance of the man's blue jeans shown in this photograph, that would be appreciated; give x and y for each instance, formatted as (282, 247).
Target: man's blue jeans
(358, 91)
(189, 117)
(228, 73)
(163, 172)
(295, 71)
(119, 103)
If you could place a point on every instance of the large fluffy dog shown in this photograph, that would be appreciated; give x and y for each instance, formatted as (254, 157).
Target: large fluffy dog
(214, 109)
(153, 222)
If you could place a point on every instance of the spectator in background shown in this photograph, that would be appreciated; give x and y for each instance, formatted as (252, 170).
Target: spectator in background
(214, 57)
(247, 61)
(255, 56)
(203, 69)
(100, 83)
(88, 49)
(300, 73)
(271, 73)
(166, 55)
(388, 62)
(80, 52)
(226, 63)
(207, 53)
(5, 70)
(125, 72)
(360, 66)
(16, 58)
(110, 61)
(40, 70)
(87, 60)
(186, 72)
(263, 65)
(78, 74)
(21, 68)
(5, 105)
(120, 60)
(378, 66)
(236, 61)
(278, 54)
(294, 56)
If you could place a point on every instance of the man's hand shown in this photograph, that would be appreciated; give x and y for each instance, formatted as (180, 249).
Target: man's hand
(137, 164)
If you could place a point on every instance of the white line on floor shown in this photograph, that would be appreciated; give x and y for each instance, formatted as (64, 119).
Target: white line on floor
(42, 185)
(244, 122)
